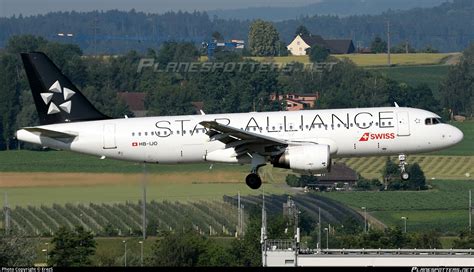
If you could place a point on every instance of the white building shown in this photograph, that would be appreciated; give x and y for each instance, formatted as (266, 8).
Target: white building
(283, 253)
(301, 43)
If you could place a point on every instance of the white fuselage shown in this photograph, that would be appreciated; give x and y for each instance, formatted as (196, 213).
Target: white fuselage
(180, 139)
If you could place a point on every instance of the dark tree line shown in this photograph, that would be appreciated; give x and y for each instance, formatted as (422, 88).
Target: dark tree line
(447, 27)
(458, 88)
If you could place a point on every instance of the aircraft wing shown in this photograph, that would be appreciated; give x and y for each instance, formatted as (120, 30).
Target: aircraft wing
(243, 141)
(51, 133)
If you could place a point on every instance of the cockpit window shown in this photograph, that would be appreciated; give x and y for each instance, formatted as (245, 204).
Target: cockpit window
(432, 121)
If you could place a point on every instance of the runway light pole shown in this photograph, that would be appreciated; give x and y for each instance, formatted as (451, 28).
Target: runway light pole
(125, 253)
(405, 221)
(365, 219)
(327, 237)
(46, 254)
(141, 252)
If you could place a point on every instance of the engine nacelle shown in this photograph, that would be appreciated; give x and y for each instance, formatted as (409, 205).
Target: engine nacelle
(311, 158)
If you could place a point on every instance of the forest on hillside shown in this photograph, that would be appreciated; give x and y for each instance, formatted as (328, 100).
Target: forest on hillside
(447, 27)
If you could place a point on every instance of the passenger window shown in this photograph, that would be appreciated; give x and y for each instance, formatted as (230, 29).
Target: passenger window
(133, 133)
(146, 133)
(139, 134)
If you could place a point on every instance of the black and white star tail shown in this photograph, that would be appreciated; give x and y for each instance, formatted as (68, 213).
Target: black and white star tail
(57, 100)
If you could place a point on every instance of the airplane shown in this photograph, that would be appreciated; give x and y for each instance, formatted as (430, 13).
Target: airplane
(305, 141)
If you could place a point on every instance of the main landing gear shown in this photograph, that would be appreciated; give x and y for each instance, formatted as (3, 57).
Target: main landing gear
(253, 180)
(402, 163)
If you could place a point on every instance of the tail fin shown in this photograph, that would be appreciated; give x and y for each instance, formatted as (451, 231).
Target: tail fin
(57, 100)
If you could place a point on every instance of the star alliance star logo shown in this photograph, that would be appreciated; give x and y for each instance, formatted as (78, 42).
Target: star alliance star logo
(67, 94)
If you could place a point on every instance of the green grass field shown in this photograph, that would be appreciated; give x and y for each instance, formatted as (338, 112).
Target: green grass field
(368, 60)
(127, 192)
(434, 167)
(464, 148)
(432, 75)
(444, 208)
(54, 161)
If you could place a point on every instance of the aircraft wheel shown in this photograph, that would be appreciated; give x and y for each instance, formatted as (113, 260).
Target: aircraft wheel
(253, 181)
(405, 176)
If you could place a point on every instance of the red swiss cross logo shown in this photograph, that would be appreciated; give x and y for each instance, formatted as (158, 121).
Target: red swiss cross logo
(364, 137)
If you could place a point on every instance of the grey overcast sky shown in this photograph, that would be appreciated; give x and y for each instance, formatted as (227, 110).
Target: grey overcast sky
(29, 7)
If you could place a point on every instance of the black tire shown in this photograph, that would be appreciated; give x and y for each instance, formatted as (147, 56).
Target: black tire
(253, 181)
(405, 176)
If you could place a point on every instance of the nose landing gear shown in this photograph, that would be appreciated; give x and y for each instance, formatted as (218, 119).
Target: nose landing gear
(404, 175)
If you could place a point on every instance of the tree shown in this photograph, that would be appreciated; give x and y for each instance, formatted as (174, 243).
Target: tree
(9, 93)
(247, 251)
(378, 45)
(428, 239)
(282, 49)
(457, 90)
(72, 247)
(178, 249)
(302, 31)
(216, 255)
(403, 47)
(16, 250)
(417, 179)
(429, 49)
(318, 53)
(24, 43)
(217, 36)
(422, 97)
(466, 240)
(263, 38)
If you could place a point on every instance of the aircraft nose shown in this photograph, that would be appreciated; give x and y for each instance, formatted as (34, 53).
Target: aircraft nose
(456, 135)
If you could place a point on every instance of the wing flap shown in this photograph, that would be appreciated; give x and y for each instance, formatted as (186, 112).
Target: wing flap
(243, 141)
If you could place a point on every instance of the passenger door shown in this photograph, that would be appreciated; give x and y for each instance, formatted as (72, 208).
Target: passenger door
(403, 125)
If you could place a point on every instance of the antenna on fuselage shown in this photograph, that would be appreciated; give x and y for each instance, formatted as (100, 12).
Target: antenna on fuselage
(396, 105)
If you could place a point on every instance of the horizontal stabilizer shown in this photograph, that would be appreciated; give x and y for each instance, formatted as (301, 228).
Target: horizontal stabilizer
(51, 133)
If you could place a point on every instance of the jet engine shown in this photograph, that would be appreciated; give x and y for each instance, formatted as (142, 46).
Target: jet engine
(309, 158)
